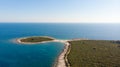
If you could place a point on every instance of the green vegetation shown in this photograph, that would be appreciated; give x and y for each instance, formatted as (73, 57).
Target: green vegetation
(36, 39)
(94, 53)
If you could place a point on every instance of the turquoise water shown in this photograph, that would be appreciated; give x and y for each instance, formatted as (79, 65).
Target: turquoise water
(44, 55)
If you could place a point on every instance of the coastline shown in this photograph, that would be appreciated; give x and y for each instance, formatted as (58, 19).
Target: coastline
(62, 58)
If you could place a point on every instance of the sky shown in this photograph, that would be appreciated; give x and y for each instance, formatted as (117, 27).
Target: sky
(59, 10)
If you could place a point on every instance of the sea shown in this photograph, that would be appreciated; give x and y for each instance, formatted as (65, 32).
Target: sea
(13, 54)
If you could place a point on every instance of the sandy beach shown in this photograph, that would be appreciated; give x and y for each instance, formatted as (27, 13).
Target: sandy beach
(61, 59)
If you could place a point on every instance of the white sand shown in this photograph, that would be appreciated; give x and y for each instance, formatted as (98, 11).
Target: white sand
(61, 60)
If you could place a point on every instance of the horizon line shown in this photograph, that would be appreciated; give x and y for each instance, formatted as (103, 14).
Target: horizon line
(55, 22)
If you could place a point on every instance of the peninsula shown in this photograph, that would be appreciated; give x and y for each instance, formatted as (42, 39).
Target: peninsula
(83, 52)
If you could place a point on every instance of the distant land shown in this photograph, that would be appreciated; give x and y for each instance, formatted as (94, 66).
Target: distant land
(82, 52)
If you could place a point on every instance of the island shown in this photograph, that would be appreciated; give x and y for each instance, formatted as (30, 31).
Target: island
(82, 52)
(35, 39)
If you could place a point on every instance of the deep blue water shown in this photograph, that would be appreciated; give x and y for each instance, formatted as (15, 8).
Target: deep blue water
(44, 55)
